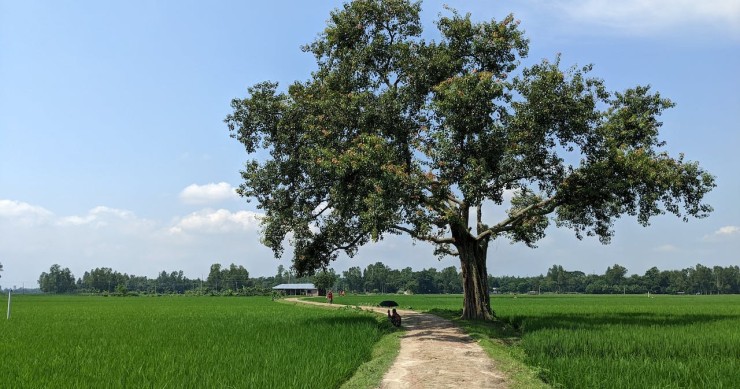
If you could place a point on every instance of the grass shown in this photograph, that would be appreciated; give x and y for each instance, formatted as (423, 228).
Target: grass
(370, 374)
(73, 341)
(575, 341)
(630, 341)
(560, 341)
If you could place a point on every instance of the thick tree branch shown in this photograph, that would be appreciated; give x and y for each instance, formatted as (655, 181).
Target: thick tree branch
(350, 245)
(454, 199)
(542, 208)
(438, 206)
(428, 238)
(464, 212)
(319, 213)
(479, 219)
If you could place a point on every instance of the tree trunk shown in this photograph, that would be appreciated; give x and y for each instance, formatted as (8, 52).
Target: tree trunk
(476, 300)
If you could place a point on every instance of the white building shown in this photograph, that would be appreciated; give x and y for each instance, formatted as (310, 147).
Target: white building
(297, 289)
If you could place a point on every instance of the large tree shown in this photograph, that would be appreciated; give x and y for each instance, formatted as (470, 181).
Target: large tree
(353, 275)
(235, 277)
(215, 277)
(615, 275)
(57, 280)
(396, 134)
(325, 280)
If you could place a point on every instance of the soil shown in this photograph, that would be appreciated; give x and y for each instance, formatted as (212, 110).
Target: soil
(437, 354)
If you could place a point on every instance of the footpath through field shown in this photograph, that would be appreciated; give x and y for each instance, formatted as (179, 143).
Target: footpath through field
(436, 354)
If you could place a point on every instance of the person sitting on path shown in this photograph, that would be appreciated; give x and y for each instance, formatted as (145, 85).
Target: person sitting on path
(395, 318)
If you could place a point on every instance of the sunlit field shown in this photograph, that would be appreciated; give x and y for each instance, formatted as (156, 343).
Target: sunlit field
(573, 341)
(180, 342)
(614, 341)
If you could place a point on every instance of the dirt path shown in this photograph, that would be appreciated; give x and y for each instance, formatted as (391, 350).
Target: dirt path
(436, 354)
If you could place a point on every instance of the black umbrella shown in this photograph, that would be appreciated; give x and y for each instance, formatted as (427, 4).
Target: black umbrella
(388, 303)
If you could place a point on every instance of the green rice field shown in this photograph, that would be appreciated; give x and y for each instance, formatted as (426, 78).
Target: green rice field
(180, 342)
(571, 341)
(612, 341)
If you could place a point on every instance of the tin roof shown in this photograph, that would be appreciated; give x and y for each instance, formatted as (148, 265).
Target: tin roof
(294, 286)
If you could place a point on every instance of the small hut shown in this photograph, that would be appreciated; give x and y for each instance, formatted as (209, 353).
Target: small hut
(297, 289)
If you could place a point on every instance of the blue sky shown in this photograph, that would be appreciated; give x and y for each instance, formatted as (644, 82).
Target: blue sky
(113, 150)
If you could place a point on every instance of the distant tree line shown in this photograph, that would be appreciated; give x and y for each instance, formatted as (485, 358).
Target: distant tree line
(379, 278)
(232, 280)
(699, 279)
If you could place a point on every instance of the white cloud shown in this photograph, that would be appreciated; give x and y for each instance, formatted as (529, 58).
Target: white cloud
(728, 230)
(666, 248)
(648, 16)
(509, 194)
(99, 216)
(23, 212)
(209, 193)
(723, 233)
(33, 238)
(219, 221)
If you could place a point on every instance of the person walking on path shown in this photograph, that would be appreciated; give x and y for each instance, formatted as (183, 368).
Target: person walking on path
(330, 297)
